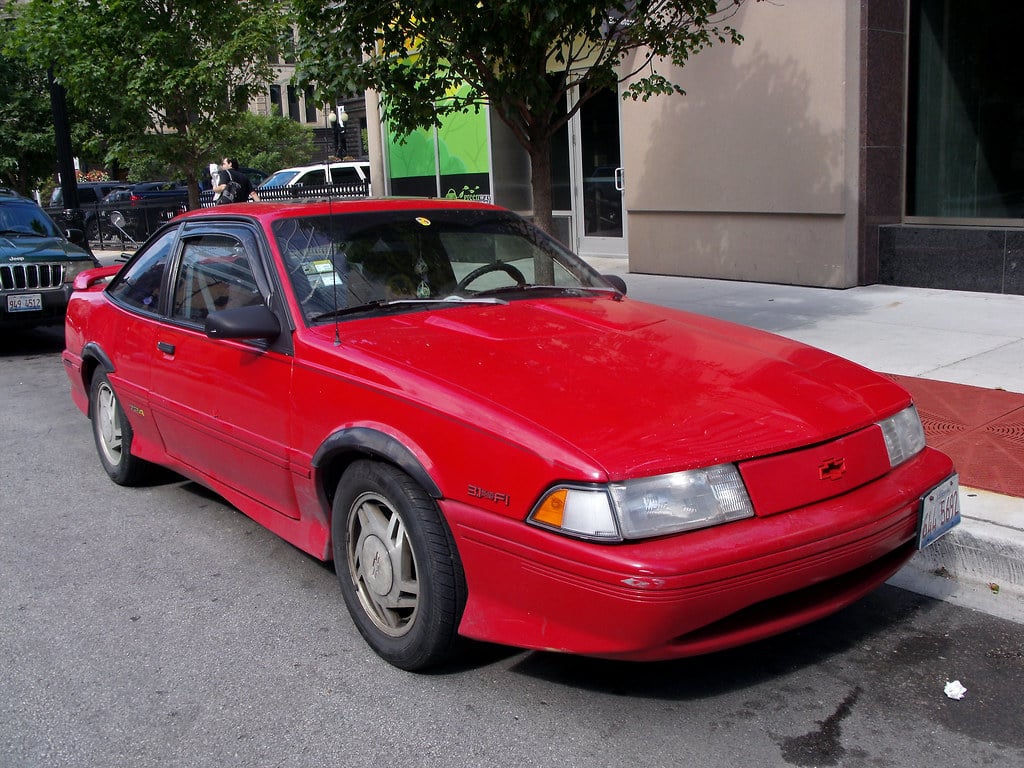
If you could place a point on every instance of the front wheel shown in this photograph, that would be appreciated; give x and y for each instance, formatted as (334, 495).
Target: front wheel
(113, 434)
(399, 570)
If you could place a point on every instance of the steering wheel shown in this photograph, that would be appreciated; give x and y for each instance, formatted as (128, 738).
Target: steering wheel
(497, 266)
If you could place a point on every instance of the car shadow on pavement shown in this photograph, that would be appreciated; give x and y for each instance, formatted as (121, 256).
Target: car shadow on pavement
(29, 341)
(863, 624)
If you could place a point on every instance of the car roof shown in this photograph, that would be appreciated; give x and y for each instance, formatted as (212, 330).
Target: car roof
(269, 211)
(314, 166)
(155, 184)
(8, 195)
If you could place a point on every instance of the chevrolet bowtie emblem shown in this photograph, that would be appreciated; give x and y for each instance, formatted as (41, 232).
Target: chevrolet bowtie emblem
(832, 469)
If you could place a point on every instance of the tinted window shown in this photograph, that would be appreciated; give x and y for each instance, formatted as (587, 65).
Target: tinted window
(346, 175)
(138, 284)
(214, 274)
(318, 176)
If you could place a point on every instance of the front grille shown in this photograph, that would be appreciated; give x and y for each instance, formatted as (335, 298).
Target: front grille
(31, 276)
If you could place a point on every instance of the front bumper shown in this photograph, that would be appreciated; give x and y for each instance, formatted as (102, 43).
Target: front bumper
(694, 592)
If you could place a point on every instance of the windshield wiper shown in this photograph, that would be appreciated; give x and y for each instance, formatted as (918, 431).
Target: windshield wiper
(377, 304)
(570, 290)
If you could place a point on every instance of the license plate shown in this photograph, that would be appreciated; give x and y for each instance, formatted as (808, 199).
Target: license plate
(25, 302)
(940, 512)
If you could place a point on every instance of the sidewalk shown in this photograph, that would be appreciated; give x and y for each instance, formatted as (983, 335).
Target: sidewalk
(961, 356)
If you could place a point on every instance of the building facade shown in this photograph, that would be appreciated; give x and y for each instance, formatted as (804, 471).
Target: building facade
(332, 137)
(842, 143)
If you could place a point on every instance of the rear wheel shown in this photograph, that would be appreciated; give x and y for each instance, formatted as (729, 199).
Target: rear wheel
(399, 570)
(113, 434)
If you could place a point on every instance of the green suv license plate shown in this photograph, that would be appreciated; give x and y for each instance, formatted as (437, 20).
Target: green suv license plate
(940, 511)
(25, 302)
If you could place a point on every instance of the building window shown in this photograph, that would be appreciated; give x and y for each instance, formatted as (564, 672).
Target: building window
(276, 106)
(289, 49)
(293, 104)
(966, 111)
(310, 104)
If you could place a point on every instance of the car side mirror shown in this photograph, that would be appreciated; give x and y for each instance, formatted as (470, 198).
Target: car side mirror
(616, 282)
(256, 322)
(76, 236)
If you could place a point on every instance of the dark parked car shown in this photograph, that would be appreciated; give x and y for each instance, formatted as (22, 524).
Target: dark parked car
(491, 440)
(90, 196)
(37, 264)
(140, 209)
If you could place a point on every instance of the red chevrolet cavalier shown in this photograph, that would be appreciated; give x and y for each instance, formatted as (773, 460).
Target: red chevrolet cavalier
(490, 440)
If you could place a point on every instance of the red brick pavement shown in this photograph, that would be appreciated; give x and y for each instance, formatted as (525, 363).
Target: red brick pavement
(981, 429)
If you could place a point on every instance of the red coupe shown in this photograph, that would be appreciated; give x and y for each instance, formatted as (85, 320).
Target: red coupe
(491, 440)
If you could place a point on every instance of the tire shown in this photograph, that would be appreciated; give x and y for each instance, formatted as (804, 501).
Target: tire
(400, 573)
(113, 434)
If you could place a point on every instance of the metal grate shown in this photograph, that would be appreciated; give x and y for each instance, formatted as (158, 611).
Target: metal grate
(31, 276)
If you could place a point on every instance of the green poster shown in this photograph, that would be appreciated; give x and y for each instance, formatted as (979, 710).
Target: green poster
(458, 152)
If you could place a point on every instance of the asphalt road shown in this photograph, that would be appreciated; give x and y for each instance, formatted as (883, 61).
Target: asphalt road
(160, 627)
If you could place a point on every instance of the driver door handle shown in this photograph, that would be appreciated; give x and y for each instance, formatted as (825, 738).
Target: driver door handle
(165, 347)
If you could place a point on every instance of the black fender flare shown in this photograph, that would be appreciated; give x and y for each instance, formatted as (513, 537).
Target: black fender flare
(365, 441)
(94, 352)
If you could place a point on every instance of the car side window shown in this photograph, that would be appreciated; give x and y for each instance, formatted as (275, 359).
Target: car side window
(345, 174)
(138, 284)
(318, 176)
(214, 274)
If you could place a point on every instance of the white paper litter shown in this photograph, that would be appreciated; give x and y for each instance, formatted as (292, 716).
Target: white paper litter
(955, 690)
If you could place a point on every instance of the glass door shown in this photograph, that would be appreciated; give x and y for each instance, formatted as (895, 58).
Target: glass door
(600, 179)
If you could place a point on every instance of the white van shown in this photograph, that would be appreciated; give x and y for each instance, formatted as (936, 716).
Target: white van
(348, 172)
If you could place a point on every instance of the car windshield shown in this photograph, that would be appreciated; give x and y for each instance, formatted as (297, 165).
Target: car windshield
(26, 219)
(343, 264)
(279, 179)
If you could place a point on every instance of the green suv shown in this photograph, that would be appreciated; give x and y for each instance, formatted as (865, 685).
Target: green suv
(38, 264)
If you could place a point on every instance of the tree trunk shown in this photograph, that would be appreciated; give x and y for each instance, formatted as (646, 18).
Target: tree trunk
(540, 181)
(540, 169)
(192, 182)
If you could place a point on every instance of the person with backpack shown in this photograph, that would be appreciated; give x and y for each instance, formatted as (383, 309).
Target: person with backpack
(232, 185)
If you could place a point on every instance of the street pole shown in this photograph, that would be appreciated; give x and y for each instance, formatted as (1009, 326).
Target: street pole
(62, 135)
(332, 118)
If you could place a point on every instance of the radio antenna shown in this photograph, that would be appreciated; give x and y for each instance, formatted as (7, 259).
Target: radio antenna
(331, 229)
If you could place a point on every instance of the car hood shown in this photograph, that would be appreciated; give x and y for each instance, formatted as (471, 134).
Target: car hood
(14, 248)
(632, 389)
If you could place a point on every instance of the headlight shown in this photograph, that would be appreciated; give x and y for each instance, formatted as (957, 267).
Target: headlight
(904, 435)
(73, 268)
(650, 506)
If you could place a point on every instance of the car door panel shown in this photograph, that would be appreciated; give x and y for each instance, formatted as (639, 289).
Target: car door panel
(222, 406)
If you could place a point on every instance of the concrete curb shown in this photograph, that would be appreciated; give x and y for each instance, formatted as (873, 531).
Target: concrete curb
(980, 563)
